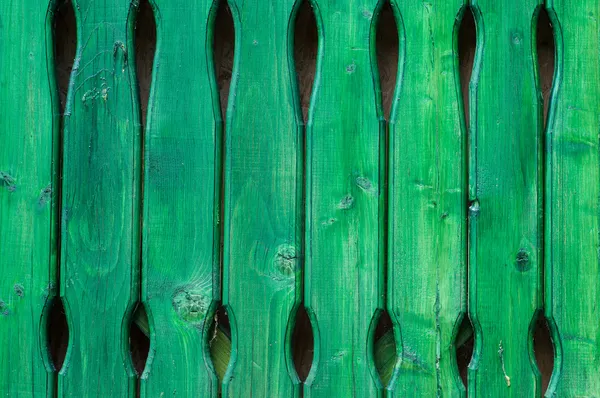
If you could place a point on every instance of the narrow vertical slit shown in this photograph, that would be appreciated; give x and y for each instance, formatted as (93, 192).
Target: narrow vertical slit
(145, 47)
(305, 57)
(467, 49)
(387, 50)
(64, 32)
(220, 343)
(545, 49)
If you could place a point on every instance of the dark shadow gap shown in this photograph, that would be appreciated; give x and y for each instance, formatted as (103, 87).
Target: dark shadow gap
(65, 48)
(546, 54)
(64, 31)
(224, 45)
(302, 344)
(219, 342)
(387, 44)
(139, 340)
(464, 348)
(467, 46)
(384, 348)
(544, 350)
(58, 333)
(145, 48)
(306, 46)
(545, 48)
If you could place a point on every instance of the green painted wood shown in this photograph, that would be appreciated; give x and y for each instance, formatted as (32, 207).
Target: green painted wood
(180, 285)
(220, 348)
(101, 203)
(505, 200)
(427, 230)
(28, 202)
(572, 201)
(263, 201)
(345, 144)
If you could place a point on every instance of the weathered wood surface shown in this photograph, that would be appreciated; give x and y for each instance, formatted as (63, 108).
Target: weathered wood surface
(427, 201)
(180, 254)
(28, 202)
(572, 200)
(263, 201)
(345, 169)
(505, 200)
(101, 203)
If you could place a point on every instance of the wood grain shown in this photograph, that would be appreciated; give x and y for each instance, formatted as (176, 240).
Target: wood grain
(28, 199)
(427, 238)
(572, 200)
(345, 170)
(263, 201)
(101, 203)
(505, 206)
(181, 275)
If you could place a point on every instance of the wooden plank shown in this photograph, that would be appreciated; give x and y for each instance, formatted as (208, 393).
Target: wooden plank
(101, 202)
(505, 200)
(572, 201)
(345, 202)
(263, 201)
(180, 285)
(427, 235)
(28, 202)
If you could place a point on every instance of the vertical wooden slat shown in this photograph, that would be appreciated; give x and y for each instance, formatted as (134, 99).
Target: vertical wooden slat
(345, 206)
(572, 200)
(427, 239)
(263, 201)
(181, 277)
(505, 200)
(28, 201)
(100, 207)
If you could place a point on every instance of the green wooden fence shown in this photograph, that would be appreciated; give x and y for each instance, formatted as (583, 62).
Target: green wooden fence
(348, 215)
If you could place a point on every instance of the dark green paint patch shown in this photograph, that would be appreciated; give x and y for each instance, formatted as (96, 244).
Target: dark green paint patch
(19, 290)
(4, 310)
(522, 261)
(8, 181)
